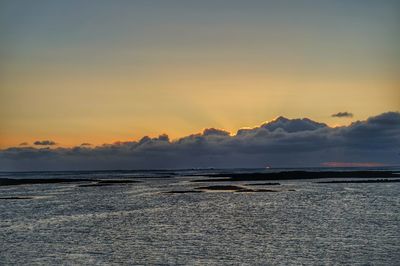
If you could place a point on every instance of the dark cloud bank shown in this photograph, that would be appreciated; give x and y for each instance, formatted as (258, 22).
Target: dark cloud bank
(282, 142)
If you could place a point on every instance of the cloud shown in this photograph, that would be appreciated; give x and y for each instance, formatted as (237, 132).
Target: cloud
(24, 144)
(215, 132)
(293, 125)
(44, 142)
(282, 142)
(86, 144)
(342, 114)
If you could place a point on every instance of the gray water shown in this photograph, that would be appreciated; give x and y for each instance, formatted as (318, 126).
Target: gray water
(354, 224)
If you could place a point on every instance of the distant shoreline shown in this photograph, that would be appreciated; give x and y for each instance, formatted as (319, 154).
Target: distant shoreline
(222, 177)
(297, 175)
(248, 170)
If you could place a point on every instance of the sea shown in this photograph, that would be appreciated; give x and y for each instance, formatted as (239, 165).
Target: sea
(301, 223)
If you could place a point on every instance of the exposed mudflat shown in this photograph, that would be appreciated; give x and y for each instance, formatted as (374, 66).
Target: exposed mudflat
(224, 188)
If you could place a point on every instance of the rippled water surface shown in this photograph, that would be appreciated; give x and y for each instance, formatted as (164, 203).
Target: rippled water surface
(138, 224)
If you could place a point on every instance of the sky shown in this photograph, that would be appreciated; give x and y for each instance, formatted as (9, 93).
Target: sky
(74, 72)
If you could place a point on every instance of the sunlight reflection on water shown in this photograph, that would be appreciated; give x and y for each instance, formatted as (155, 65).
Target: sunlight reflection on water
(136, 224)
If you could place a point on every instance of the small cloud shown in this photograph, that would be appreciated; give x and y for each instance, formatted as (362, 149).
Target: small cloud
(163, 137)
(86, 144)
(44, 142)
(24, 144)
(342, 114)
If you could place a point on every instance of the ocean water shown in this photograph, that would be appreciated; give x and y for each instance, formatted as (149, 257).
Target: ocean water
(357, 224)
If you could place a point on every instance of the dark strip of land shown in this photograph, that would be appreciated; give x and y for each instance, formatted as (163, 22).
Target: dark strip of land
(15, 198)
(102, 183)
(234, 188)
(26, 181)
(224, 188)
(296, 175)
(360, 181)
(30, 181)
(263, 184)
(183, 191)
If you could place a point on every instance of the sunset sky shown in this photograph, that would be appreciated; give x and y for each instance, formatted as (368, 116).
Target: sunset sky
(106, 71)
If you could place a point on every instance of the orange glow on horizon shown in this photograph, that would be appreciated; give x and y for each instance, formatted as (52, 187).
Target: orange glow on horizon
(353, 164)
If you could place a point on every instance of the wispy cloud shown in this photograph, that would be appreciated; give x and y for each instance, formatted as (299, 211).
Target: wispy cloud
(279, 143)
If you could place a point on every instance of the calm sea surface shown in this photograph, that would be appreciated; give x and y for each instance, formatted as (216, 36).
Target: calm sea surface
(356, 224)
